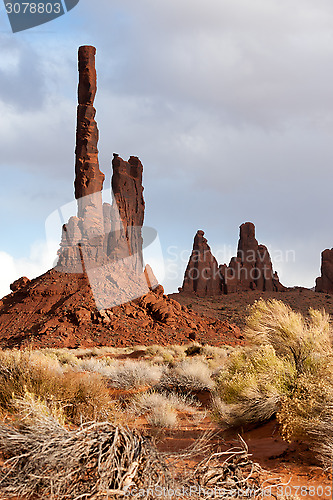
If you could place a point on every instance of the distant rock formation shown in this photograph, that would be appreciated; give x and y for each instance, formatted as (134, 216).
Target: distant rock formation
(202, 272)
(250, 270)
(325, 282)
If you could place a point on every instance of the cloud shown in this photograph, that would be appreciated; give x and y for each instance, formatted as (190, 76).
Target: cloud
(41, 259)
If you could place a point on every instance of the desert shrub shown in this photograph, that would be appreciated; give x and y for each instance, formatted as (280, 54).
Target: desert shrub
(248, 411)
(258, 371)
(193, 350)
(303, 342)
(169, 354)
(307, 409)
(216, 357)
(249, 387)
(288, 371)
(46, 460)
(65, 357)
(84, 396)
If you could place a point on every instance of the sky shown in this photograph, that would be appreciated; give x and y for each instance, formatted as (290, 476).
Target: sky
(227, 103)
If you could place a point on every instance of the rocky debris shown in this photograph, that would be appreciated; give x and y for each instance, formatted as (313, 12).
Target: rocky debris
(250, 270)
(325, 282)
(19, 284)
(202, 274)
(58, 310)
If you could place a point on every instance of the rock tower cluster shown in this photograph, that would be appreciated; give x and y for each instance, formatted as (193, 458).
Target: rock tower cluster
(250, 270)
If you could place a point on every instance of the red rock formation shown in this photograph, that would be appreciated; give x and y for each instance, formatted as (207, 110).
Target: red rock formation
(19, 284)
(250, 270)
(325, 282)
(104, 241)
(202, 274)
(59, 310)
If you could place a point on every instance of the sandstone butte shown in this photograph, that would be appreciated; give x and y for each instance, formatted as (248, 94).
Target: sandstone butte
(99, 292)
(250, 270)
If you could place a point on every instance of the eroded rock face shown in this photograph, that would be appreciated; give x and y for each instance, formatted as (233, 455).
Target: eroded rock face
(252, 268)
(325, 282)
(126, 232)
(202, 273)
(19, 284)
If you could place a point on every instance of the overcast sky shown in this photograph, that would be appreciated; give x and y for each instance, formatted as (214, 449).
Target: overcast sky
(228, 104)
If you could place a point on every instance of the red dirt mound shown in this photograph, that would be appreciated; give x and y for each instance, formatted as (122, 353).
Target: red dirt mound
(58, 310)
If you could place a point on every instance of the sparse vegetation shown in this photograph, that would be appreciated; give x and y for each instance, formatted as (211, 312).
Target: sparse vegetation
(60, 402)
(83, 396)
(125, 374)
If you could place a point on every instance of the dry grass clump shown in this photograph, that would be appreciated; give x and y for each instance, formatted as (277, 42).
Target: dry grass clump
(169, 354)
(22, 371)
(188, 375)
(45, 459)
(161, 409)
(125, 374)
(226, 474)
